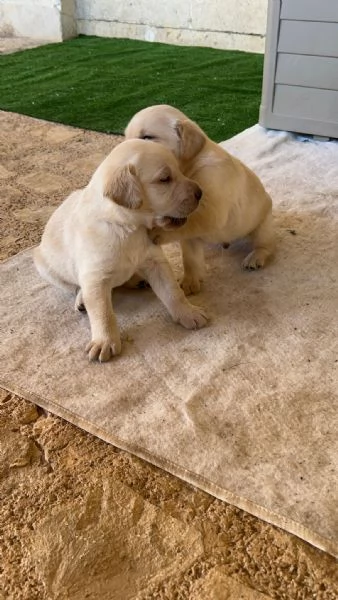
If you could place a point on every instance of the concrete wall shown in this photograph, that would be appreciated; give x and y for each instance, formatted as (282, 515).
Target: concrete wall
(235, 24)
(41, 19)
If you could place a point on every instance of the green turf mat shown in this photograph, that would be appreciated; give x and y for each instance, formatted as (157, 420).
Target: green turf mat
(99, 83)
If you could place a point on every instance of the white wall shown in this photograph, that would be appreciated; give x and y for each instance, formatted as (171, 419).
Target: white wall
(42, 19)
(235, 24)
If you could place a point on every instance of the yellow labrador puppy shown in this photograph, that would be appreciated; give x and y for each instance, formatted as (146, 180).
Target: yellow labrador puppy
(234, 204)
(97, 238)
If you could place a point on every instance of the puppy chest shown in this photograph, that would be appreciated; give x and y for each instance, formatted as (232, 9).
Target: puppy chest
(135, 249)
(124, 261)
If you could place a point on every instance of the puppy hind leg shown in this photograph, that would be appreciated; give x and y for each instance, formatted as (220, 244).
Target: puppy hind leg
(48, 274)
(136, 282)
(194, 265)
(79, 304)
(264, 242)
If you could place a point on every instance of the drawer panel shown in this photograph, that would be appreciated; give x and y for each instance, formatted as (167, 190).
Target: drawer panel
(299, 37)
(306, 103)
(310, 10)
(310, 71)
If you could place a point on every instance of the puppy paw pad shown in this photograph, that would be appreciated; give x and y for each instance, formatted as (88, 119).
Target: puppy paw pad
(195, 318)
(253, 262)
(103, 350)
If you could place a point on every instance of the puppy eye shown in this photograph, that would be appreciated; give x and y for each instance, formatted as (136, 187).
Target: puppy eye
(166, 179)
(147, 137)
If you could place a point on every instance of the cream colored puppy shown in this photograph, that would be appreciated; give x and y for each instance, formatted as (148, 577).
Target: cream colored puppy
(97, 239)
(234, 204)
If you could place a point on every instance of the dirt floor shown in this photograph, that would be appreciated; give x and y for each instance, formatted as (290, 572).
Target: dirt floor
(81, 519)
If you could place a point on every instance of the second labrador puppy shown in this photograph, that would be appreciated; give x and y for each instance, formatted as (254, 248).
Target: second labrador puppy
(97, 239)
(234, 204)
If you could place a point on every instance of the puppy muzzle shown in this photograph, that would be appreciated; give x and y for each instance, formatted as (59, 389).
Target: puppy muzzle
(187, 205)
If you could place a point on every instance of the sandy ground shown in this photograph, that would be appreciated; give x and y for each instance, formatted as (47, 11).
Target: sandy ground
(81, 519)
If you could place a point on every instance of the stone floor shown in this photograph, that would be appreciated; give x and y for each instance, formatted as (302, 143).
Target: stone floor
(82, 519)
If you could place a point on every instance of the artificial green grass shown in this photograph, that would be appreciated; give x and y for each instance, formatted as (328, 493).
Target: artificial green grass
(99, 83)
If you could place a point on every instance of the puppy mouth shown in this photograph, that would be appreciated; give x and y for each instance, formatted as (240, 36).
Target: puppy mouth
(171, 222)
(175, 222)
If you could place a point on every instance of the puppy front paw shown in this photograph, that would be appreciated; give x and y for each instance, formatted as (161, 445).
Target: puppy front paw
(190, 284)
(103, 349)
(255, 260)
(193, 317)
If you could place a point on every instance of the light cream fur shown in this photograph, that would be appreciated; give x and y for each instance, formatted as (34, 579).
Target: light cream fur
(97, 238)
(234, 203)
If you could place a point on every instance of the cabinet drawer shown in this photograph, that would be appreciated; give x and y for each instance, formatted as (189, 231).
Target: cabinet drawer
(308, 37)
(309, 71)
(310, 10)
(306, 103)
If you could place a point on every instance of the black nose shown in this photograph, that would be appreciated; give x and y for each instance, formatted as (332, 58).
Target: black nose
(198, 194)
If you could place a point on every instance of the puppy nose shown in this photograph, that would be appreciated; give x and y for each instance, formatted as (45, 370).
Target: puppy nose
(198, 193)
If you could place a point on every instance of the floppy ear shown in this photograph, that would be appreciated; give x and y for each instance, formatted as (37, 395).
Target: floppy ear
(192, 139)
(124, 188)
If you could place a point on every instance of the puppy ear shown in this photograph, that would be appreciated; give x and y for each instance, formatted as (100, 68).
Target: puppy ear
(192, 139)
(124, 188)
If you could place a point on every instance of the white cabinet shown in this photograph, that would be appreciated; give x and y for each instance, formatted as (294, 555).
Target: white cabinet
(300, 81)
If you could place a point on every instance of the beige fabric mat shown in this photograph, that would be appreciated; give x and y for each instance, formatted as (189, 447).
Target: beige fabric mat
(244, 409)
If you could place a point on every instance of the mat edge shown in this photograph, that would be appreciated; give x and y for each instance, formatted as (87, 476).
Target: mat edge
(288, 525)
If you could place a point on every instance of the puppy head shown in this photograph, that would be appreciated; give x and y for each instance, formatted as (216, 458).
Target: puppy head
(145, 176)
(170, 127)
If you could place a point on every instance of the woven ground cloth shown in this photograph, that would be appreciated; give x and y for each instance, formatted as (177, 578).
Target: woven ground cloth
(244, 409)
